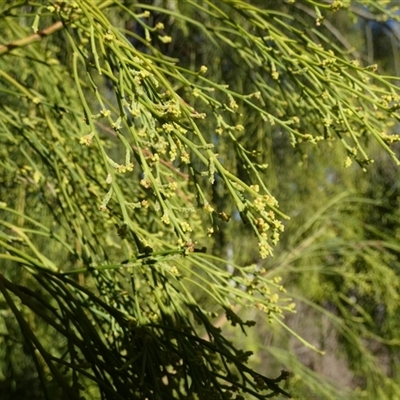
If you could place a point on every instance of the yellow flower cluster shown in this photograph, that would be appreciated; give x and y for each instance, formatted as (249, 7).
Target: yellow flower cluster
(87, 139)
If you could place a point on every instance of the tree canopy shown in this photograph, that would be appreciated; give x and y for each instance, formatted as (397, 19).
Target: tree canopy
(174, 173)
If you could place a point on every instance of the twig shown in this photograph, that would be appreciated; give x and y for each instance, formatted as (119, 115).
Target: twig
(146, 152)
(6, 48)
(335, 32)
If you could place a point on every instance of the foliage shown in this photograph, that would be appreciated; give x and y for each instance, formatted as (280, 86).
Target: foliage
(139, 141)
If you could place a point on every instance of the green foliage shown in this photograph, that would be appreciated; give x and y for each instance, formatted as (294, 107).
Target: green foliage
(139, 143)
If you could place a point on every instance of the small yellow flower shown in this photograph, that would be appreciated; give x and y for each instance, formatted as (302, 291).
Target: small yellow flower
(165, 218)
(185, 158)
(264, 249)
(172, 154)
(261, 307)
(208, 208)
(275, 75)
(173, 186)
(259, 204)
(168, 127)
(348, 162)
(155, 158)
(165, 39)
(135, 112)
(296, 119)
(274, 298)
(105, 113)
(186, 227)
(256, 188)
(173, 270)
(108, 37)
(277, 279)
(196, 92)
(203, 69)
(87, 139)
(145, 204)
(145, 183)
(233, 105)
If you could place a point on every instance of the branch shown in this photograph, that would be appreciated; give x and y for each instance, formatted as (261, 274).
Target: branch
(6, 48)
(146, 152)
(335, 32)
